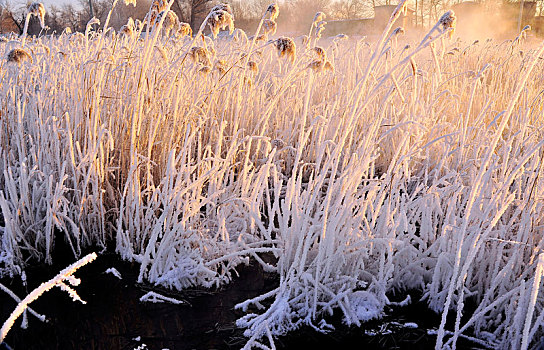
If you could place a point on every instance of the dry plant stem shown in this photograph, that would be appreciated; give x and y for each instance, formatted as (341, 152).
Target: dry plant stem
(531, 308)
(25, 29)
(101, 40)
(361, 85)
(244, 70)
(59, 280)
(437, 63)
(466, 118)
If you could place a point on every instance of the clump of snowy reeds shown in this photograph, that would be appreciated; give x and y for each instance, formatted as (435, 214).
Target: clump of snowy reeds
(358, 188)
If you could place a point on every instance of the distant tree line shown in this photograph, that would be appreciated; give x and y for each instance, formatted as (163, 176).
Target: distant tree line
(76, 14)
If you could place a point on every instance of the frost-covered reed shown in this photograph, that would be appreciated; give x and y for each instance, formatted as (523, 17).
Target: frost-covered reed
(397, 167)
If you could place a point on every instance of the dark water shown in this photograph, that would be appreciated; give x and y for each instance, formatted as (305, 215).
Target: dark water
(114, 318)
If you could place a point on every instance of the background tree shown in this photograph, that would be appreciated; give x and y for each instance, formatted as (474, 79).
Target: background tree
(12, 17)
(192, 11)
(350, 9)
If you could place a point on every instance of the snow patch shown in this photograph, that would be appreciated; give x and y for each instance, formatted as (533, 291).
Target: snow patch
(114, 272)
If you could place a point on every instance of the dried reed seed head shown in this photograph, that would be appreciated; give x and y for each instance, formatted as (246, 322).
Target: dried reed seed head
(319, 17)
(18, 56)
(130, 23)
(286, 48)
(318, 66)
(37, 9)
(220, 20)
(221, 63)
(200, 55)
(277, 143)
(92, 22)
(205, 70)
(137, 24)
(274, 11)
(185, 30)
(162, 52)
(269, 27)
(198, 51)
(253, 66)
(77, 37)
(222, 7)
(151, 17)
(448, 20)
(211, 51)
(170, 20)
(128, 29)
(130, 2)
(158, 6)
(248, 81)
(398, 31)
(259, 38)
(341, 37)
(319, 29)
(320, 53)
(46, 49)
(220, 66)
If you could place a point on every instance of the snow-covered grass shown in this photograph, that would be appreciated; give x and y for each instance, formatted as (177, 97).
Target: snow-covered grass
(393, 167)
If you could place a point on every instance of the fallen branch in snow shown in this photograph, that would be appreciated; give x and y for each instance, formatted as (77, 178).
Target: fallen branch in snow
(59, 280)
(158, 298)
